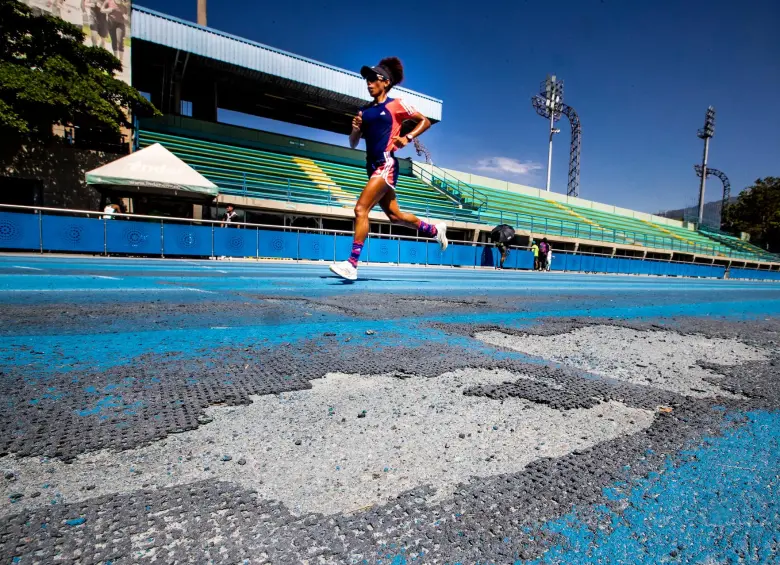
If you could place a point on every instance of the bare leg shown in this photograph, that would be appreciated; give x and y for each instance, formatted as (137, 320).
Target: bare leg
(371, 195)
(377, 191)
(118, 43)
(389, 204)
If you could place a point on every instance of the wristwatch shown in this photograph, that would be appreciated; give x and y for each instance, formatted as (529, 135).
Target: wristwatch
(409, 137)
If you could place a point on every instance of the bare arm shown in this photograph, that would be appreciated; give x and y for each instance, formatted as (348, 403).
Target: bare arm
(422, 126)
(354, 136)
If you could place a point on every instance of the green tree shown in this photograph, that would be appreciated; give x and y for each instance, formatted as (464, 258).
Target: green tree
(49, 77)
(757, 212)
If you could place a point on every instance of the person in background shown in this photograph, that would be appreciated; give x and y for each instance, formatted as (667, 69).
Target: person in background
(229, 217)
(549, 256)
(535, 250)
(56, 7)
(98, 22)
(115, 12)
(110, 210)
(544, 247)
(503, 248)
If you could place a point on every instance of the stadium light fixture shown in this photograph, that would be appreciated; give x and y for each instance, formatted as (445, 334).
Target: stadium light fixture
(705, 133)
(726, 187)
(549, 104)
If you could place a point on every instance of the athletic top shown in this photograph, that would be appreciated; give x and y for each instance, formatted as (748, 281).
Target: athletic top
(115, 11)
(230, 217)
(381, 123)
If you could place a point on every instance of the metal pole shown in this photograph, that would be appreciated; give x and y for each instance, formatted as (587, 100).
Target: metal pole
(202, 11)
(703, 179)
(549, 152)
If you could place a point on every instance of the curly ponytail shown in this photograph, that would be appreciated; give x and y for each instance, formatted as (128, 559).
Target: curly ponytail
(396, 69)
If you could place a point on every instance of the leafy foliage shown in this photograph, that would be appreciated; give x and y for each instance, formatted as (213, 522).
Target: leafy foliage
(49, 77)
(757, 212)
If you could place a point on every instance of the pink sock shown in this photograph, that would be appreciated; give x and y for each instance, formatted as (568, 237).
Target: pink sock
(427, 229)
(357, 247)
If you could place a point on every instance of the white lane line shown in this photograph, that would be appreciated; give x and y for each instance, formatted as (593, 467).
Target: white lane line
(52, 275)
(30, 290)
(107, 278)
(27, 268)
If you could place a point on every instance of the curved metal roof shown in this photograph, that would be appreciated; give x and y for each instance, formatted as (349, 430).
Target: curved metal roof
(329, 81)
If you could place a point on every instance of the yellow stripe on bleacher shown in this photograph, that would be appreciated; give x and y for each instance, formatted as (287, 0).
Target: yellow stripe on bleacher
(322, 180)
(666, 231)
(581, 217)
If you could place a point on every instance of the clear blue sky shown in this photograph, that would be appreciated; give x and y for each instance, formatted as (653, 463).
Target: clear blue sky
(640, 73)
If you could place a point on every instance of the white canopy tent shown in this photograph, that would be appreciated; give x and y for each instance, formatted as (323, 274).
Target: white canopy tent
(152, 170)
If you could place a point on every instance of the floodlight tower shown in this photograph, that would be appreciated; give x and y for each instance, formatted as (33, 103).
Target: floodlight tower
(726, 187)
(705, 133)
(549, 104)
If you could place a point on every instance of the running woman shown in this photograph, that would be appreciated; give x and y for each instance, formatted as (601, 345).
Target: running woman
(380, 124)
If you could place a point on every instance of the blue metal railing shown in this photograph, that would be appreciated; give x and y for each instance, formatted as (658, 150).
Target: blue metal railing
(288, 189)
(735, 242)
(255, 185)
(463, 192)
(60, 230)
(78, 231)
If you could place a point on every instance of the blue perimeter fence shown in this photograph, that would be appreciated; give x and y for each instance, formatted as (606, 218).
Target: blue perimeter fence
(74, 231)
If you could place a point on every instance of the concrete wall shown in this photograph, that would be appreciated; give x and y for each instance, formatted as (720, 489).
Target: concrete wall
(61, 171)
(562, 198)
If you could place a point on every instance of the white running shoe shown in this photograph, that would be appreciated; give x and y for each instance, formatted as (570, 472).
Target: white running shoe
(345, 270)
(441, 235)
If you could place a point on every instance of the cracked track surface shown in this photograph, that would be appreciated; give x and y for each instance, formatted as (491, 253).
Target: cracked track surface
(278, 417)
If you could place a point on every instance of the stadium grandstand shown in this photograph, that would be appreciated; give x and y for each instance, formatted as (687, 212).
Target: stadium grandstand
(190, 72)
(291, 181)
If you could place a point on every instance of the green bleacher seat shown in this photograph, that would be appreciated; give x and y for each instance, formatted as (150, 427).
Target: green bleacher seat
(279, 176)
(555, 218)
(303, 179)
(737, 244)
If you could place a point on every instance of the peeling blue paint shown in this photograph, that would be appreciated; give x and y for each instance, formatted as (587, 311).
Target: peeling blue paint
(75, 521)
(691, 503)
(111, 404)
(104, 403)
(718, 503)
(715, 503)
